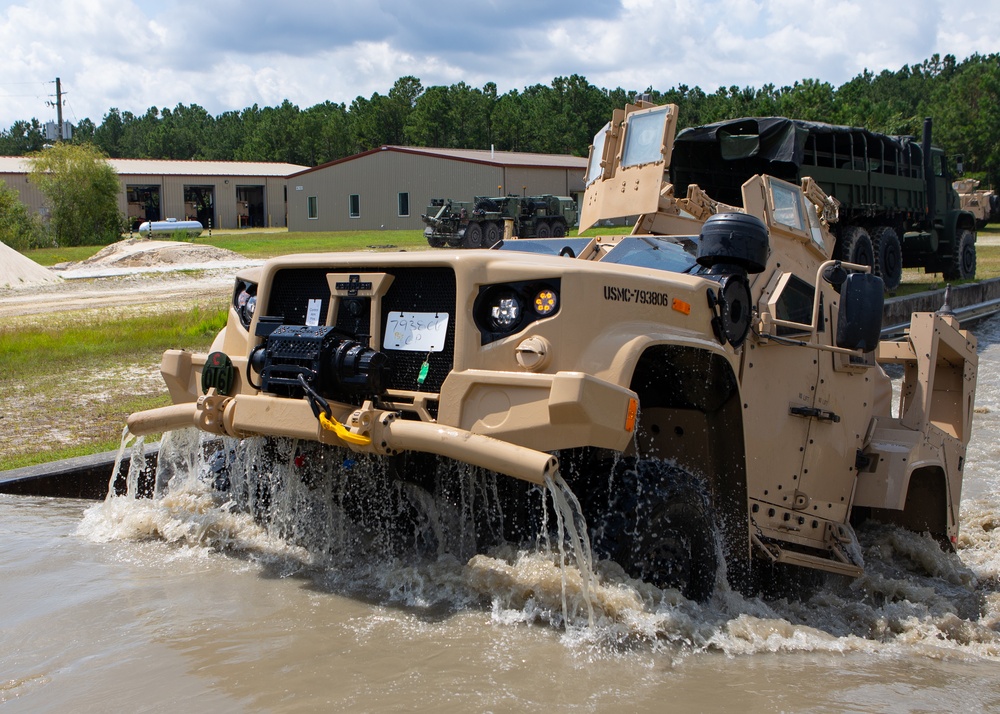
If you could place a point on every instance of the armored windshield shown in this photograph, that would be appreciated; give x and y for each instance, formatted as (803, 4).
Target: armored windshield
(571, 247)
(654, 252)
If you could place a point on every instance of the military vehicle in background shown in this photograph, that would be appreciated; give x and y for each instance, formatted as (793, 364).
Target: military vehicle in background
(897, 205)
(982, 204)
(710, 384)
(485, 221)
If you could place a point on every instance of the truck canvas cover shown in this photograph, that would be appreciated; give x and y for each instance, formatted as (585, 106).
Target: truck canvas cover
(774, 138)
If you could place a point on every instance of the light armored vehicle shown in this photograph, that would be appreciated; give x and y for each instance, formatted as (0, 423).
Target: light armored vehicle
(710, 385)
(485, 221)
(982, 204)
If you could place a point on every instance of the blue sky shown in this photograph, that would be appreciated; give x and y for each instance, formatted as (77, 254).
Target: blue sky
(228, 54)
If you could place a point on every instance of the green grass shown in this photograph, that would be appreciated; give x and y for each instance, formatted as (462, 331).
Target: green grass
(268, 245)
(69, 384)
(54, 256)
(31, 350)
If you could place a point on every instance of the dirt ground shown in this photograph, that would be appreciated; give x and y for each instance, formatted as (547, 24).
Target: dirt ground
(132, 277)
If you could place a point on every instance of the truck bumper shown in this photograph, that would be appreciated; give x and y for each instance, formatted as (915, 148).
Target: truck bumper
(384, 433)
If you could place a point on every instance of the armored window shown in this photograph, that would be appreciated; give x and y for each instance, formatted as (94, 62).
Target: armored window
(312, 207)
(594, 168)
(795, 304)
(355, 205)
(644, 137)
(403, 200)
(787, 206)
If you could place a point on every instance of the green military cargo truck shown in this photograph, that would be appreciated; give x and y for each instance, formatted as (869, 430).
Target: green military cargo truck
(481, 223)
(897, 205)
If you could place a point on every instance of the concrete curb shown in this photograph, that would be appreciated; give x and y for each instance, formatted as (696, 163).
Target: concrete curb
(971, 303)
(84, 477)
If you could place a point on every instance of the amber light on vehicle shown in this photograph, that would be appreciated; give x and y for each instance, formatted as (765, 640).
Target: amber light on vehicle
(545, 302)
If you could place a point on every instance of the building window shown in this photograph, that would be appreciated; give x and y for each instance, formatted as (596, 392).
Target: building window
(355, 205)
(404, 204)
(312, 208)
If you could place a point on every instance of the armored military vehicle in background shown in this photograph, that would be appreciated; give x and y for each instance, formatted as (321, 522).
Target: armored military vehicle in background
(483, 222)
(982, 204)
(897, 205)
(711, 383)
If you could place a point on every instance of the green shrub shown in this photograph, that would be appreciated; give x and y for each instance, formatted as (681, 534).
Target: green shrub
(19, 227)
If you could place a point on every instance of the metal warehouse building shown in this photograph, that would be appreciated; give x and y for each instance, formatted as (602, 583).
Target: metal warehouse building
(220, 194)
(391, 186)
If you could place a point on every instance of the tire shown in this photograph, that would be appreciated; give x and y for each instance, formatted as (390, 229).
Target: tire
(491, 234)
(963, 260)
(543, 230)
(487, 205)
(558, 229)
(660, 528)
(855, 246)
(473, 236)
(888, 252)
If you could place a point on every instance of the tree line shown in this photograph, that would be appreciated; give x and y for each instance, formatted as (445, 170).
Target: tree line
(963, 97)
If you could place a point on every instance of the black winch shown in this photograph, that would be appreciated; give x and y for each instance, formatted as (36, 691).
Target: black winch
(333, 365)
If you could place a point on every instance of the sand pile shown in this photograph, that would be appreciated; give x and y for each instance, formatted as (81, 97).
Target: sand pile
(17, 271)
(140, 253)
(137, 255)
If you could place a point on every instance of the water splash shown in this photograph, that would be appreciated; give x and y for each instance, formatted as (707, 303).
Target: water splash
(428, 541)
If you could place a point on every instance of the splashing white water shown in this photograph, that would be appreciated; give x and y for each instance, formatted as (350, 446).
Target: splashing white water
(357, 530)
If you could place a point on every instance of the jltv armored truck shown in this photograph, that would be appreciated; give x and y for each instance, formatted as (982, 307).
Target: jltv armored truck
(897, 205)
(713, 378)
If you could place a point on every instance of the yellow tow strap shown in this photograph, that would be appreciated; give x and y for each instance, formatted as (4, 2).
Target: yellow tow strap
(342, 432)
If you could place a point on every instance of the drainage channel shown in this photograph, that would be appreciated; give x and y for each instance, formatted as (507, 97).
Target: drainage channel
(88, 477)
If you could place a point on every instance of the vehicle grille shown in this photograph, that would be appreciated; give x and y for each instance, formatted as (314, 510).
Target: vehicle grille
(413, 290)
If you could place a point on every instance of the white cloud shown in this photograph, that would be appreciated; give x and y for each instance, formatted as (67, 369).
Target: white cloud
(133, 54)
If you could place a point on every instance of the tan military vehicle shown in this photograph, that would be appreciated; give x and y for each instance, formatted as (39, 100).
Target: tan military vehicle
(980, 203)
(710, 385)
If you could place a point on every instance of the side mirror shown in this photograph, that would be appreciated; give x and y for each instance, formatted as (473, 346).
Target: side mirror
(859, 325)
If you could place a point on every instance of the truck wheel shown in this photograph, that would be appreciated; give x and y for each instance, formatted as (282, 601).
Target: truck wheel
(487, 205)
(543, 230)
(856, 246)
(888, 256)
(474, 236)
(558, 229)
(491, 234)
(963, 260)
(659, 527)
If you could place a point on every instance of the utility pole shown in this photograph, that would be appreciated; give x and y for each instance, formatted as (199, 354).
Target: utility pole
(59, 107)
(58, 103)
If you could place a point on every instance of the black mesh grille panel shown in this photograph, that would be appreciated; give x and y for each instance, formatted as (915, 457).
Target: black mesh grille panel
(421, 290)
(424, 289)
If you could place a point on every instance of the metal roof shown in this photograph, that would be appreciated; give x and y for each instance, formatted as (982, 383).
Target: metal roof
(165, 167)
(478, 156)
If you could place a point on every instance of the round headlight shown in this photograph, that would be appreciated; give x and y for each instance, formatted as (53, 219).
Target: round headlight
(247, 308)
(545, 302)
(505, 313)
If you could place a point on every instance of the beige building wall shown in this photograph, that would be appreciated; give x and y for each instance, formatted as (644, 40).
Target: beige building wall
(378, 178)
(227, 210)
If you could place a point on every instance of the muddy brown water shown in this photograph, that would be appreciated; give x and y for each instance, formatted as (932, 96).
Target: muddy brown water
(184, 602)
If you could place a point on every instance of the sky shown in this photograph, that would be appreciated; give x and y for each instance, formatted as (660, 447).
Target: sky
(230, 54)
